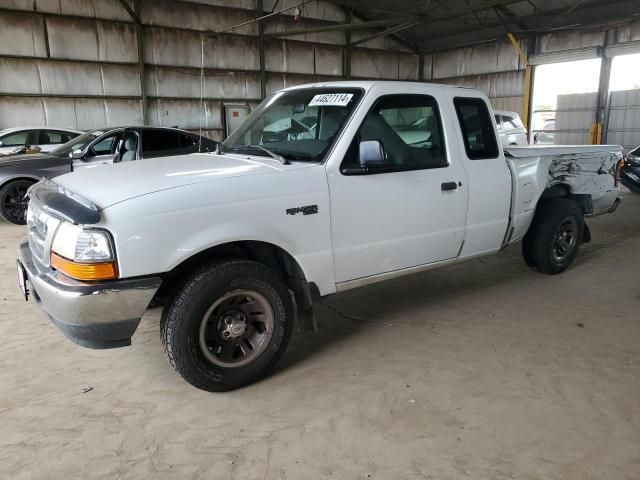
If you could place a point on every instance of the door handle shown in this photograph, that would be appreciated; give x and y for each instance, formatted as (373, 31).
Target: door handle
(448, 186)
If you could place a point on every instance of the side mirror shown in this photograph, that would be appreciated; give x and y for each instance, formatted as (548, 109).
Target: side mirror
(1, 144)
(76, 155)
(371, 154)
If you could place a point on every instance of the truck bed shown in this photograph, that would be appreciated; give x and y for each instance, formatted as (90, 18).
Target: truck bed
(583, 169)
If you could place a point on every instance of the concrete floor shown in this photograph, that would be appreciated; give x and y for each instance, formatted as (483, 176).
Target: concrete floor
(485, 370)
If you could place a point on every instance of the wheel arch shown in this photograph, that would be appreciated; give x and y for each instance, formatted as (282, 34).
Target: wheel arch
(266, 253)
(563, 190)
(4, 182)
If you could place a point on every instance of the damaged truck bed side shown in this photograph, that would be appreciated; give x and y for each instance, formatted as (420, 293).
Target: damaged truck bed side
(324, 187)
(584, 173)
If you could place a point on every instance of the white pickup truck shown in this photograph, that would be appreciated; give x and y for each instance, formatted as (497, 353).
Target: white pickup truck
(324, 188)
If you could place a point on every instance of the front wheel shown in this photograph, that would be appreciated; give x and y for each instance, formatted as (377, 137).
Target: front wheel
(14, 201)
(557, 231)
(228, 326)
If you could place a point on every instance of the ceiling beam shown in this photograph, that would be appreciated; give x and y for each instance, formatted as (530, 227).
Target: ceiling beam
(130, 11)
(541, 15)
(388, 31)
(343, 27)
(418, 19)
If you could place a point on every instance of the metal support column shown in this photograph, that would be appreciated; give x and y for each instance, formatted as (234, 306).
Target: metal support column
(263, 71)
(527, 79)
(141, 66)
(346, 67)
(598, 129)
(420, 66)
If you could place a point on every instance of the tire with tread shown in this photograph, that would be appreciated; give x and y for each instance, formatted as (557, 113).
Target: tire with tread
(527, 248)
(7, 193)
(183, 314)
(538, 247)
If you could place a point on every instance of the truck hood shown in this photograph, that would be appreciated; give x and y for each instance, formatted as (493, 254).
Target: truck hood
(110, 184)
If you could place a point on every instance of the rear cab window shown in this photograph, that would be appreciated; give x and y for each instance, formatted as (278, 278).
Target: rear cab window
(476, 124)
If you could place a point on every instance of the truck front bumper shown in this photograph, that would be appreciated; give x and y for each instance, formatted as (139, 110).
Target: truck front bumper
(94, 315)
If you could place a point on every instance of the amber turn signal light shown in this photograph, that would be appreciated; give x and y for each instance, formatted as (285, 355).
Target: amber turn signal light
(84, 271)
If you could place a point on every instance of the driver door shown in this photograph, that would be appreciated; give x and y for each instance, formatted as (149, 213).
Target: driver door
(103, 151)
(408, 211)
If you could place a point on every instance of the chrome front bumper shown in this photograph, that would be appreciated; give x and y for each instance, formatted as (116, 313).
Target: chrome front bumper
(94, 315)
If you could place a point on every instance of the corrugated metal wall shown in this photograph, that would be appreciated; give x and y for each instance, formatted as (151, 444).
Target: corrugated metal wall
(576, 113)
(494, 68)
(75, 62)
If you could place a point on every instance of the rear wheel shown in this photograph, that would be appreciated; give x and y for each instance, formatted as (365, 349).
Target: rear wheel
(228, 326)
(556, 235)
(13, 201)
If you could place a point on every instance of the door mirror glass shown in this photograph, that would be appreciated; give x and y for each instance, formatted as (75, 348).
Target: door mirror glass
(76, 155)
(371, 153)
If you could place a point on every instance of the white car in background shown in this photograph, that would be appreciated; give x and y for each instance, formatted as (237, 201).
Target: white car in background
(38, 139)
(510, 128)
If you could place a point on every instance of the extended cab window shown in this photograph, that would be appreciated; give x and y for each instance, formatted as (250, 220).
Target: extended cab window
(409, 130)
(477, 128)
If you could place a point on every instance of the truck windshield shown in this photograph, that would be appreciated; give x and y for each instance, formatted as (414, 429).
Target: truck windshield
(296, 124)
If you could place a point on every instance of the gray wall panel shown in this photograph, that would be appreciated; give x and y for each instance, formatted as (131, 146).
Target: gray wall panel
(108, 9)
(329, 60)
(479, 59)
(319, 9)
(374, 64)
(16, 111)
(287, 24)
(122, 112)
(197, 17)
(22, 35)
(59, 112)
(180, 48)
(117, 42)
(510, 104)
(185, 113)
(408, 67)
(248, 4)
(19, 76)
(558, 41)
(176, 82)
(72, 38)
(283, 56)
(629, 33)
(120, 80)
(68, 78)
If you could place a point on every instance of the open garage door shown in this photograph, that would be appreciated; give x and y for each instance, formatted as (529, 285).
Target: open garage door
(564, 101)
(622, 117)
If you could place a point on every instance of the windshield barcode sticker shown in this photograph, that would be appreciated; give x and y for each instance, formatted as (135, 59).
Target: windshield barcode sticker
(331, 100)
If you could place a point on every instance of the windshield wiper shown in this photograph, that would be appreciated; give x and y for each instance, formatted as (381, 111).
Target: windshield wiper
(280, 158)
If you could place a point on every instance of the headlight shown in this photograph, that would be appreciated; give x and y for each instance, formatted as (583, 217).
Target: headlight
(83, 254)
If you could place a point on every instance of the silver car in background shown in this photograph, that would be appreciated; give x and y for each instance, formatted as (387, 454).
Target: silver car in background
(34, 139)
(92, 149)
(510, 128)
